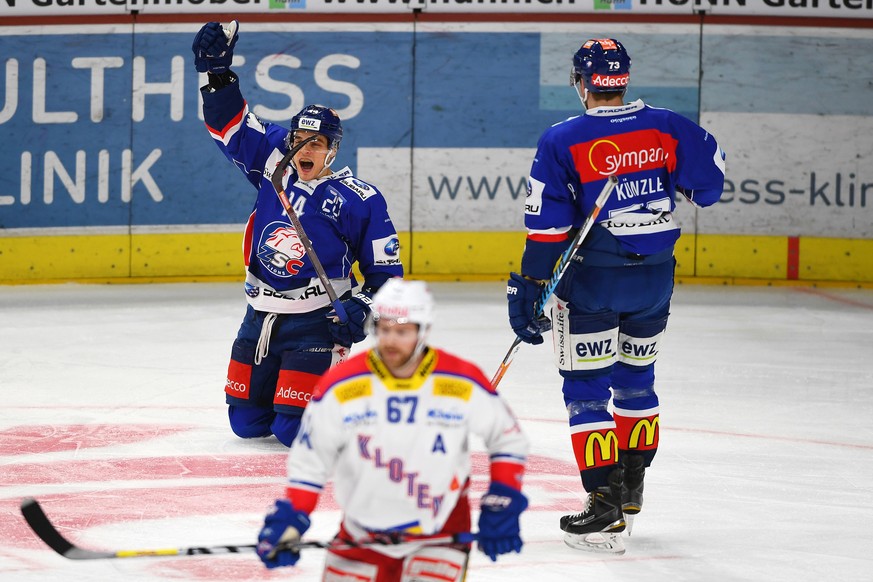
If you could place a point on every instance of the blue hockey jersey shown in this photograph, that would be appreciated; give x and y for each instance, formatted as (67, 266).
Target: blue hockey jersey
(345, 218)
(653, 152)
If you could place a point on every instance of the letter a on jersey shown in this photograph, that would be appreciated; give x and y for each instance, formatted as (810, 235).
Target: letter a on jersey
(303, 439)
(438, 445)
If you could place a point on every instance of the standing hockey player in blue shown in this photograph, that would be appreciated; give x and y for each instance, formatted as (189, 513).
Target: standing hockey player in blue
(290, 335)
(610, 308)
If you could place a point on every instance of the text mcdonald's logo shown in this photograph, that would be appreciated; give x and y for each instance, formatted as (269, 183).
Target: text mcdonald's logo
(650, 427)
(607, 445)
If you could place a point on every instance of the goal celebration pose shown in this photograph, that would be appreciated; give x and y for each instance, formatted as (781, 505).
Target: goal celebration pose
(299, 247)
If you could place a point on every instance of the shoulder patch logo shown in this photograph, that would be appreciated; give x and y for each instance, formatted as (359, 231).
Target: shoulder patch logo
(533, 202)
(452, 388)
(333, 202)
(353, 389)
(386, 251)
(360, 188)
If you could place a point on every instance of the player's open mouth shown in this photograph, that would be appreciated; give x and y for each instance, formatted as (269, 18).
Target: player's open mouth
(306, 165)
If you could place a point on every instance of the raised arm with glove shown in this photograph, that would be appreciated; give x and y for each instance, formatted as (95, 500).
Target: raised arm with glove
(213, 47)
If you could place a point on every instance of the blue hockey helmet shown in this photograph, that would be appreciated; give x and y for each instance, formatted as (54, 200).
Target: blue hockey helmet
(318, 119)
(603, 65)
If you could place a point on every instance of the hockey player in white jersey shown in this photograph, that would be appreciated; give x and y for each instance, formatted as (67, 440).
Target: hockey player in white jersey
(289, 335)
(391, 426)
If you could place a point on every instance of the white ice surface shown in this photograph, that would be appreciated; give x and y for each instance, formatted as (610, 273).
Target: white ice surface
(112, 415)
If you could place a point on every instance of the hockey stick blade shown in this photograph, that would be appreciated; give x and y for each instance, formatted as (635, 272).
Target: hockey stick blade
(49, 534)
(43, 528)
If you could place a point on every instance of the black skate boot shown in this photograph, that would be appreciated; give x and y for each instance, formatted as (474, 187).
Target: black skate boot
(598, 527)
(632, 488)
(632, 485)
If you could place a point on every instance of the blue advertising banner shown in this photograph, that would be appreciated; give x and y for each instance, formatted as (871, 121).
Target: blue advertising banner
(102, 131)
(103, 128)
(107, 129)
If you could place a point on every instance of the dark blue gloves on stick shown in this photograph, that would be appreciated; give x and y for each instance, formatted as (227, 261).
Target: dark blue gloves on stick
(499, 530)
(522, 295)
(284, 525)
(352, 331)
(213, 47)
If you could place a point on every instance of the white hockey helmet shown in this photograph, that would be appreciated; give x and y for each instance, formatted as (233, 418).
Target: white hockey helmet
(404, 301)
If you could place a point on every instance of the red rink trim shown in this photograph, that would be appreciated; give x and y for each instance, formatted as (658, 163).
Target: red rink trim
(213, 466)
(53, 438)
(114, 502)
(76, 513)
(793, 263)
(147, 469)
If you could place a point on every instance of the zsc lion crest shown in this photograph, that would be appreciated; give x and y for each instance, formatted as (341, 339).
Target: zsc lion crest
(280, 250)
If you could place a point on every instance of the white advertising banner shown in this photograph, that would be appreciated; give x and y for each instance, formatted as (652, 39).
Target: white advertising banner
(794, 175)
(453, 189)
(801, 8)
(788, 175)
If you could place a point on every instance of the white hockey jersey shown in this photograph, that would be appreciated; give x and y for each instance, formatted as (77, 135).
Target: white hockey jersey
(398, 448)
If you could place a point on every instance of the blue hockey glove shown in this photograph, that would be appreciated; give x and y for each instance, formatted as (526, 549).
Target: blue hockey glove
(499, 530)
(522, 295)
(352, 331)
(284, 525)
(213, 47)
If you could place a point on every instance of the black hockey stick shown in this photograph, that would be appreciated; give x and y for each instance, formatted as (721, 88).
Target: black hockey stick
(558, 272)
(48, 533)
(276, 180)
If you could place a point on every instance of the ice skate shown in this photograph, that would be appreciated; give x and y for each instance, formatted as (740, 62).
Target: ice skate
(598, 527)
(632, 488)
